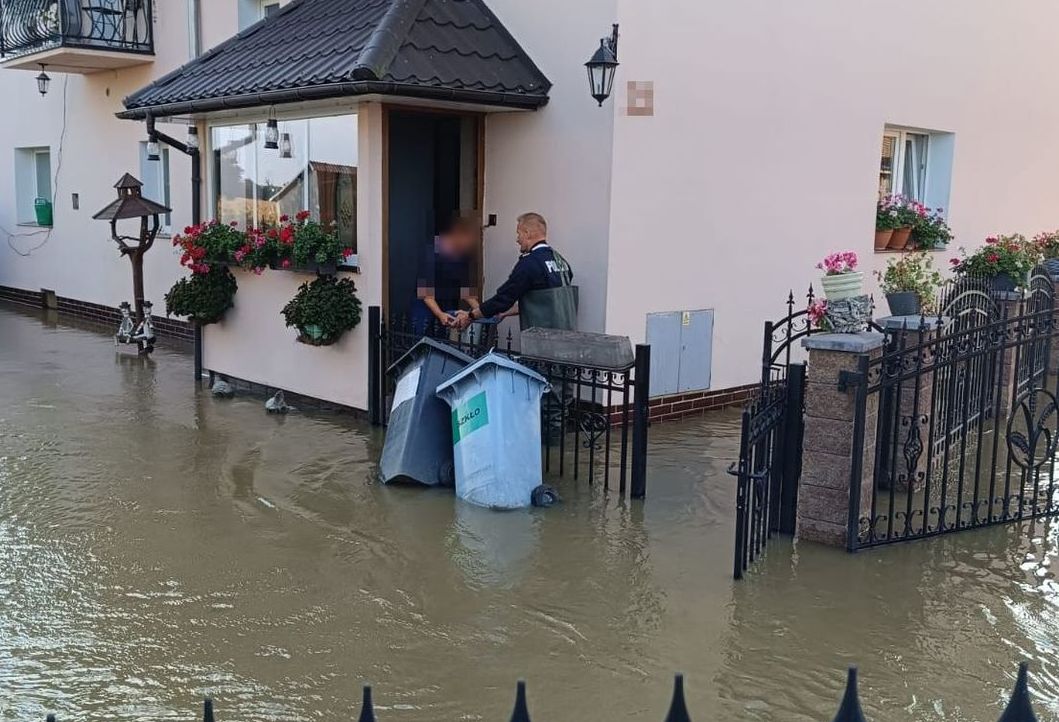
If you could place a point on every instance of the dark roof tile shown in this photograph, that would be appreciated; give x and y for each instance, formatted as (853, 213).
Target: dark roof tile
(330, 48)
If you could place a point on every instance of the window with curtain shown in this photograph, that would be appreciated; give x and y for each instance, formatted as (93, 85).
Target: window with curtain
(314, 169)
(903, 168)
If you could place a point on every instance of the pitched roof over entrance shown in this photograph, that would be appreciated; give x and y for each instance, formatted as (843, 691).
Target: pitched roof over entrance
(315, 49)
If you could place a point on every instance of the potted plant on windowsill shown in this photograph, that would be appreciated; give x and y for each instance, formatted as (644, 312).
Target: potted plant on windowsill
(907, 213)
(323, 310)
(204, 297)
(885, 223)
(1005, 260)
(209, 244)
(930, 230)
(1048, 245)
(910, 283)
(316, 248)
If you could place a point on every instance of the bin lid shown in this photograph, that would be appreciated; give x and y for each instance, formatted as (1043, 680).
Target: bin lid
(492, 359)
(425, 345)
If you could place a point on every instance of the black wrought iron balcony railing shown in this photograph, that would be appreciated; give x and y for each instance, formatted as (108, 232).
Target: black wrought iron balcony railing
(34, 26)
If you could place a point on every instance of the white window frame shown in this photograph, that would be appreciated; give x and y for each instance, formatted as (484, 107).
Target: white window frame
(897, 174)
(28, 183)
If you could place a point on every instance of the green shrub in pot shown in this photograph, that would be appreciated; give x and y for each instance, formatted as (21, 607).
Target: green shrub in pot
(910, 283)
(204, 297)
(323, 310)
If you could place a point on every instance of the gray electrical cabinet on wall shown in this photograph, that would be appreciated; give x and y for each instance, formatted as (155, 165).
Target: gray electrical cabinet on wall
(681, 351)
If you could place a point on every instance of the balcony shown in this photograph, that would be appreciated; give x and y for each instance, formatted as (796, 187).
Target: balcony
(76, 36)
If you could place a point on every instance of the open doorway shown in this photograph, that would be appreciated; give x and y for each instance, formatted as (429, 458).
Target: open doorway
(434, 181)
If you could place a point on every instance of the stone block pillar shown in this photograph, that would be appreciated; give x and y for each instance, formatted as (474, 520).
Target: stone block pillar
(824, 490)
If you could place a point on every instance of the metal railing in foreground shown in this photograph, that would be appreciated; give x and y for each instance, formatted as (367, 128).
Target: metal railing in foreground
(1019, 707)
(30, 26)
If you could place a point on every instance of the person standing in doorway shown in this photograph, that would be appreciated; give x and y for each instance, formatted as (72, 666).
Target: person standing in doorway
(447, 273)
(540, 284)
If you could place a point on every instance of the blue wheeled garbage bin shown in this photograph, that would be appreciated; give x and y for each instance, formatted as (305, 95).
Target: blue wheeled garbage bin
(496, 431)
(418, 446)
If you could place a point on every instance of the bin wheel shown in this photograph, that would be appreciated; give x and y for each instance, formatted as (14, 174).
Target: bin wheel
(447, 475)
(544, 496)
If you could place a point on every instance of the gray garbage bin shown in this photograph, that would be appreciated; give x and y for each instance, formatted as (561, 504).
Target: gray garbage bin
(418, 445)
(496, 431)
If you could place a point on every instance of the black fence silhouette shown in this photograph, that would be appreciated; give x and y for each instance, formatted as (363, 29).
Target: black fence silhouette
(1019, 707)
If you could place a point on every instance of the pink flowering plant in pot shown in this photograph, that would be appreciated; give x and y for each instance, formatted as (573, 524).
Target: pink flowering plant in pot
(841, 278)
(1005, 260)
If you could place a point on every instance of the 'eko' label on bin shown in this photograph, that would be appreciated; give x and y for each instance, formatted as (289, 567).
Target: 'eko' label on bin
(469, 417)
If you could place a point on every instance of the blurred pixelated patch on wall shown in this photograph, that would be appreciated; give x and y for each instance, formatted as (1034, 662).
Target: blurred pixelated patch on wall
(641, 98)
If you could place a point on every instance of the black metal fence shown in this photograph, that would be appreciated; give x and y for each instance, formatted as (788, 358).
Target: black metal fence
(30, 26)
(594, 420)
(770, 446)
(1019, 707)
(955, 425)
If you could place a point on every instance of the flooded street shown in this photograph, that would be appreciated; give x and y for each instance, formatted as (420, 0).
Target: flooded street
(158, 546)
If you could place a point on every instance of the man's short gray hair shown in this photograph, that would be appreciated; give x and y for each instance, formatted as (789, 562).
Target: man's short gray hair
(533, 218)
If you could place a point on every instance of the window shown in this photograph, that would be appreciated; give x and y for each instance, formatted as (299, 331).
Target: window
(917, 164)
(33, 180)
(251, 11)
(155, 177)
(315, 169)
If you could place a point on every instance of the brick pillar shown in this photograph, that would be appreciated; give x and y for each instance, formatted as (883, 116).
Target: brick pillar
(913, 404)
(824, 489)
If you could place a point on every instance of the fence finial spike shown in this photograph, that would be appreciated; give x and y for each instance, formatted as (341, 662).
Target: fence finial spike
(678, 708)
(207, 710)
(1019, 708)
(850, 710)
(367, 708)
(521, 711)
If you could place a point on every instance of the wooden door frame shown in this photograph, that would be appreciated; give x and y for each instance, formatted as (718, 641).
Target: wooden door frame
(387, 110)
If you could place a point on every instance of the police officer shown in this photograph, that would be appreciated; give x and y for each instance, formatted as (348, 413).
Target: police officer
(540, 284)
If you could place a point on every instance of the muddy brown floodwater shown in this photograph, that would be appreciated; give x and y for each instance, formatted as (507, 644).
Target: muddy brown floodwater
(157, 546)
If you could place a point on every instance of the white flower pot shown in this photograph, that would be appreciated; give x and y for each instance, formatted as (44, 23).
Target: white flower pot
(843, 285)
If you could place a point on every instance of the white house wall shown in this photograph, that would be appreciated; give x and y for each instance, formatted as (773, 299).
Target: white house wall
(77, 259)
(555, 161)
(763, 151)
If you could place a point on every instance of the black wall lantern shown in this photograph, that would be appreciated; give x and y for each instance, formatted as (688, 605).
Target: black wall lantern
(286, 148)
(272, 132)
(603, 67)
(43, 81)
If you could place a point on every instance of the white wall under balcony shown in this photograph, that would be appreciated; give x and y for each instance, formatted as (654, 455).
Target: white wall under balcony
(555, 161)
(90, 150)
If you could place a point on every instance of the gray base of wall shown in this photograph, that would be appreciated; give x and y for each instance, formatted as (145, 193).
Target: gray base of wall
(166, 328)
(298, 401)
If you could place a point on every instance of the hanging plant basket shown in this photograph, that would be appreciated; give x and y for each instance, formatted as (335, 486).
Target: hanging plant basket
(323, 310)
(203, 298)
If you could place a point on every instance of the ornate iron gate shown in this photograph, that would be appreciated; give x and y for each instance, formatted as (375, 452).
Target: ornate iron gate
(770, 447)
(957, 421)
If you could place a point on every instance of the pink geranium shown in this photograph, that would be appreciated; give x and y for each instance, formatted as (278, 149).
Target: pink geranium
(839, 263)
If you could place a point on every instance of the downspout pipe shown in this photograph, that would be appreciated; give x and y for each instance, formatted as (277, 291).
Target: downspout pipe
(196, 208)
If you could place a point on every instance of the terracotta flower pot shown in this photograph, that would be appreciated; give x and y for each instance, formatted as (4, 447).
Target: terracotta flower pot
(843, 285)
(882, 238)
(899, 240)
